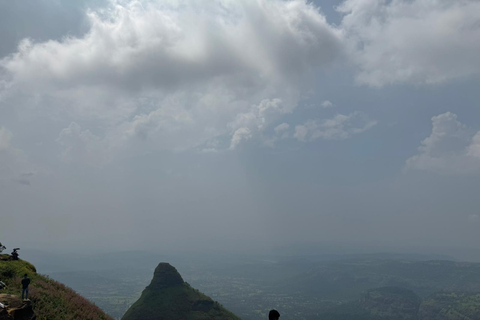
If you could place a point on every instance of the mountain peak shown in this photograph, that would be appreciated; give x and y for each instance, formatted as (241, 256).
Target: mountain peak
(168, 297)
(165, 276)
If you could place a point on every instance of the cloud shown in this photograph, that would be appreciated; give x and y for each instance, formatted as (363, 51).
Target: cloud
(301, 132)
(282, 130)
(82, 146)
(450, 148)
(175, 75)
(327, 104)
(258, 118)
(473, 149)
(416, 41)
(339, 127)
(241, 134)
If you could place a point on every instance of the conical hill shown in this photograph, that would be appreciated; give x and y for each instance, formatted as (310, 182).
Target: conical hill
(168, 297)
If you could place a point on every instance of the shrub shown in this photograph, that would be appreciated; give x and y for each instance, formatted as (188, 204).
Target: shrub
(7, 272)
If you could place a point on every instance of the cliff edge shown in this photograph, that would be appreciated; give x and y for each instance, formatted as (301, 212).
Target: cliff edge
(48, 299)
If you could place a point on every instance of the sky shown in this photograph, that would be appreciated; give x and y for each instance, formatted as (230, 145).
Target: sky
(239, 125)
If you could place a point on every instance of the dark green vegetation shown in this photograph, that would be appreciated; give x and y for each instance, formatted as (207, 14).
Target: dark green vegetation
(443, 306)
(168, 297)
(51, 299)
(391, 303)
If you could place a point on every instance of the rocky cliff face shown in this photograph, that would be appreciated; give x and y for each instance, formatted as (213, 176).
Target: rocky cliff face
(168, 297)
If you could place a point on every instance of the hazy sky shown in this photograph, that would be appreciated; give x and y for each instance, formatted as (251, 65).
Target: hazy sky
(233, 124)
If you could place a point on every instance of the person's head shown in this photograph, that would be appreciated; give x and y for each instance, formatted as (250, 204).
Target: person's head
(25, 275)
(273, 315)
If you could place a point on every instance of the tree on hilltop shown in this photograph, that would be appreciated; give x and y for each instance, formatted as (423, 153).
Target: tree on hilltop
(2, 247)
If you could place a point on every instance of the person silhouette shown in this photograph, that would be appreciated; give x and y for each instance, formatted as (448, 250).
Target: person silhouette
(273, 315)
(15, 254)
(25, 283)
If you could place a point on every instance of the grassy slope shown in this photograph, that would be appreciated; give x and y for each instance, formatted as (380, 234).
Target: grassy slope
(52, 300)
(179, 302)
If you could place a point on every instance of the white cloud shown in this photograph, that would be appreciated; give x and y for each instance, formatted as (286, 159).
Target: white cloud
(339, 127)
(258, 118)
(327, 104)
(281, 132)
(449, 149)
(241, 134)
(300, 132)
(473, 149)
(414, 41)
(176, 75)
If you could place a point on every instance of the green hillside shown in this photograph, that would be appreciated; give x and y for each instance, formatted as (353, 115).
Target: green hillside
(51, 299)
(169, 297)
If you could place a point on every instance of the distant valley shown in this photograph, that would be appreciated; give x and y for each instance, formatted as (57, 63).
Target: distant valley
(301, 287)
